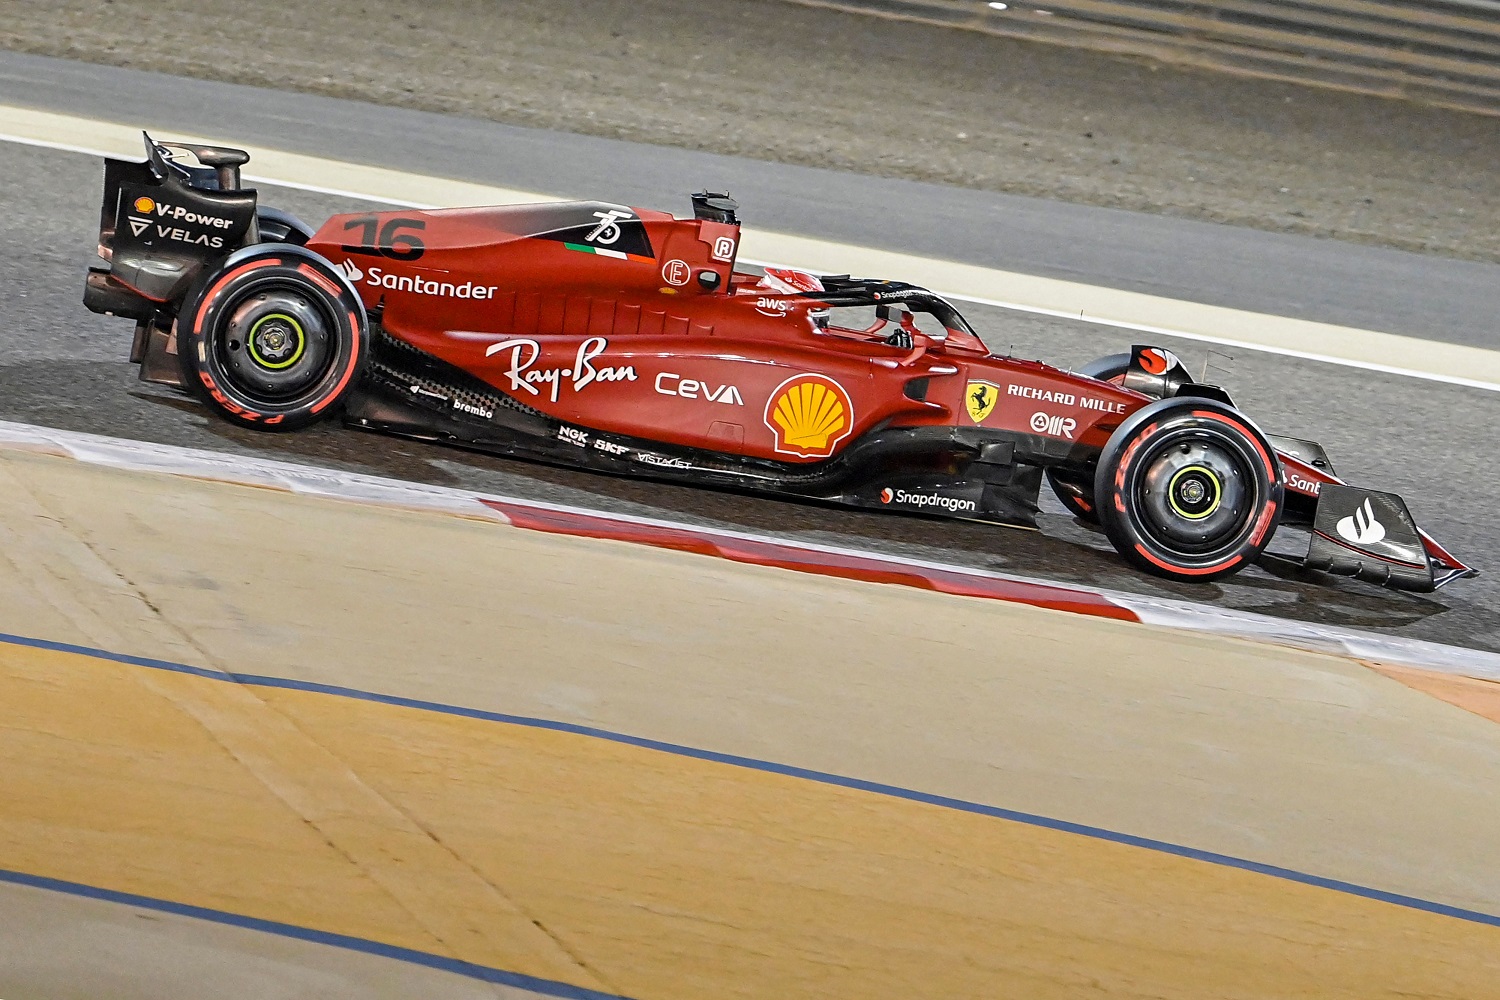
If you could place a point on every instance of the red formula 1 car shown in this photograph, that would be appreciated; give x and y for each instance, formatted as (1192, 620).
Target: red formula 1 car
(625, 340)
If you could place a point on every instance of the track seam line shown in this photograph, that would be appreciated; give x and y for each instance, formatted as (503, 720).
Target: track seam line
(802, 773)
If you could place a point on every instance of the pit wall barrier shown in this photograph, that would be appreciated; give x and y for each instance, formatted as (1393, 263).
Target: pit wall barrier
(1442, 52)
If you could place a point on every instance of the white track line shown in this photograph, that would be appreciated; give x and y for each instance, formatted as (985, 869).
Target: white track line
(138, 456)
(1369, 350)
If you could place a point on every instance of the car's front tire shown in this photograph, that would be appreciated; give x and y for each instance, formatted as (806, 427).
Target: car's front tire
(272, 339)
(1189, 488)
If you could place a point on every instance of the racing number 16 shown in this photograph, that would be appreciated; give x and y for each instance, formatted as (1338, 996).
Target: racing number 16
(412, 247)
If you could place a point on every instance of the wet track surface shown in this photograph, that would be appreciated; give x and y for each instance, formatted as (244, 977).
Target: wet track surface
(62, 366)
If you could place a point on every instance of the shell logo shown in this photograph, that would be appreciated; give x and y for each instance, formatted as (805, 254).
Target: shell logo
(810, 415)
(144, 204)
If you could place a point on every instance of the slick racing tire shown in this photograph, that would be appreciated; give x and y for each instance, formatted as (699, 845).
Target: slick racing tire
(1076, 492)
(1189, 489)
(276, 226)
(1110, 368)
(274, 338)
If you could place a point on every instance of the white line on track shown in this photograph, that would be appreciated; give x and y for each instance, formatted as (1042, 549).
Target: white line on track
(1369, 350)
(172, 460)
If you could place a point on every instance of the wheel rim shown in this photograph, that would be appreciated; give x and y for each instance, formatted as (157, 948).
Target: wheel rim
(276, 341)
(277, 344)
(1196, 493)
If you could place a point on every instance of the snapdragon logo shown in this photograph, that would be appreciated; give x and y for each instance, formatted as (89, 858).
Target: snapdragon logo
(920, 500)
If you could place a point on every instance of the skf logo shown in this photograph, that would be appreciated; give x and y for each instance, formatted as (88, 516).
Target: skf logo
(810, 415)
(1047, 423)
(979, 399)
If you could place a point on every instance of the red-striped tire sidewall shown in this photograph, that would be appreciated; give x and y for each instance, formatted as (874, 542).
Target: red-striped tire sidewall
(218, 291)
(1122, 462)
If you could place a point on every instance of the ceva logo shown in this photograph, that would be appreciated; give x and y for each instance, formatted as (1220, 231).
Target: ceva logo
(1361, 528)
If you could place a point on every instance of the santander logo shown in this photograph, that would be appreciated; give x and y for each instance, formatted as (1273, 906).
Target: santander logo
(1361, 528)
(1157, 361)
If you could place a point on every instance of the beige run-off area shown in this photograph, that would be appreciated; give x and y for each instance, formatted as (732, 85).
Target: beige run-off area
(1293, 759)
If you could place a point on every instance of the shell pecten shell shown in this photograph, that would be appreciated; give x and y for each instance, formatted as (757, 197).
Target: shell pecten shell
(810, 415)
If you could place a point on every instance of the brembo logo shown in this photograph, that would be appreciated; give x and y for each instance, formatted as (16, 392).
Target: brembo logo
(920, 500)
(1047, 423)
(1361, 528)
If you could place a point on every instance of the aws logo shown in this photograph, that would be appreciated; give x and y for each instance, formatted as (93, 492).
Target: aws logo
(810, 415)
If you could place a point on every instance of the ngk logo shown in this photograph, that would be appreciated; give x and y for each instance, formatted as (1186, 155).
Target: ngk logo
(1047, 423)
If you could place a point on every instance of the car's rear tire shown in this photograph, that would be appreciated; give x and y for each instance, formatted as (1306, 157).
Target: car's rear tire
(1189, 489)
(273, 339)
(1110, 368)
(276, 226)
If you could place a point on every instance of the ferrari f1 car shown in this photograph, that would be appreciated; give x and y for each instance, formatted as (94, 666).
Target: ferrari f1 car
(627, 341)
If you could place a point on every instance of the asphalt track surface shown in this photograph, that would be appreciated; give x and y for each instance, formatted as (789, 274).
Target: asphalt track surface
(64, 367)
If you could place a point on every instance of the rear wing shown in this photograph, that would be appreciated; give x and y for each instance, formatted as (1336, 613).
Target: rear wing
(162, 221)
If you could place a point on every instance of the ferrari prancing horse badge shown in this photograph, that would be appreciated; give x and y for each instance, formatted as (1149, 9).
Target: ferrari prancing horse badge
(980, 399)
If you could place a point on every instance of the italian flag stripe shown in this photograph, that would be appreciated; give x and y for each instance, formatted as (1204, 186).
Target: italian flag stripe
(601, 251)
